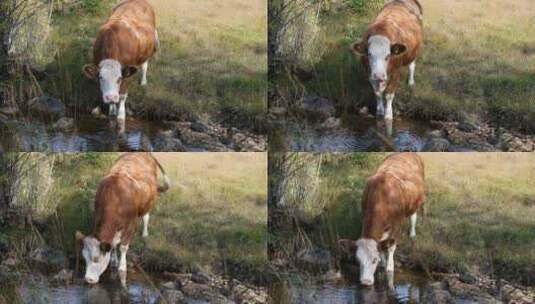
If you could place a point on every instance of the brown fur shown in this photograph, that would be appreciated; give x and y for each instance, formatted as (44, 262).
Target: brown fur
(126, 193)
(400, 21)
(393, 193)
(128, 36)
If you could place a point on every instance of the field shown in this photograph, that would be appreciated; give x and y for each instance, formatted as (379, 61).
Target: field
(477, 63)
(213, 217)
(211, 66)
(480, 210)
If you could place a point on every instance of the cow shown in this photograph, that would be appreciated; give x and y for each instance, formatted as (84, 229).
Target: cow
(395, 192)
(392, 41)
(128, 192)
(124, 44)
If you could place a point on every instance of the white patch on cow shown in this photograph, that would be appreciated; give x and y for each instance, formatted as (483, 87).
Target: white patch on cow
(378, 56)
(413, 225)
(390, 263)
(412, 68)
(389, 114)
(146, 218)
(368, 257)
(144, 68)
(110, 78)
(95, 260)
(122, 262)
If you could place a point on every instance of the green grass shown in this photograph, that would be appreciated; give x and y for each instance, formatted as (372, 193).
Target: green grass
(212, 64)
(480, 211)
(477, 60)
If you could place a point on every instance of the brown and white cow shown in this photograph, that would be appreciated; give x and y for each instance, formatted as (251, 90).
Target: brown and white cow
(124, 43)
(395, 192)
(126, 194)
(392, 41)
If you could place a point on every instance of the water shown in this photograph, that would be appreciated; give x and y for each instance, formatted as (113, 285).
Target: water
(358, 133)
(89, 134)
(38, 289)
(408, 288)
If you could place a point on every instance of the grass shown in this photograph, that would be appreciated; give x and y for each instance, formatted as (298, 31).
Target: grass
(477, 62)
(213, 215)
(480, 211)
(212, 64)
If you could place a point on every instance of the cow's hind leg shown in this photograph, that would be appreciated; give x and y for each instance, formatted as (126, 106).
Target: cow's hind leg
(144, 68)
(412, 67)
(413, 225)
(146, 225)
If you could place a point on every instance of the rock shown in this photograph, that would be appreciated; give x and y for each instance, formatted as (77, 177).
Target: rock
(277, 110)
(203, 292)
(47, 106)
(318, 106)
(246, 142)
(64, 276)
(467, 278)
(166, 142)
(200, 277)
(364, 111)
(10, 262)
(331, 123)
(467, 291)
(96, 111)
(508, 142)
(9, 111)
(64, 124)
(467, 127)
(199, 127)
(171, 296)
(315, 258)
(50, 258)
(438, 133)
(436, 293)
(436, 145)
(169, 285)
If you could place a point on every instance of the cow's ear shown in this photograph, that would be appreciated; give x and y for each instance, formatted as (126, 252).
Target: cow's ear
(359, 48)
(79, 236)
(129, 71)
(397, 49)
(90, 71)
(105, 247)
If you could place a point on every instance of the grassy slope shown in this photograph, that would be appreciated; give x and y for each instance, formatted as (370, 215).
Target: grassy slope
(480, 211)
(212, 62)
(478, 59)
(215, 209)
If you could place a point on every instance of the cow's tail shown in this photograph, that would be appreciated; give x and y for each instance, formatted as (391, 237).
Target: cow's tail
(166, 182)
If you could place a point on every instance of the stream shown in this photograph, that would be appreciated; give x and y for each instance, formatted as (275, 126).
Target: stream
(88, 134)
(300, 289)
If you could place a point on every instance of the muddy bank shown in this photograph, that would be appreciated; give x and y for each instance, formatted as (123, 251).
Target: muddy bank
(47, 127)
(316, 124)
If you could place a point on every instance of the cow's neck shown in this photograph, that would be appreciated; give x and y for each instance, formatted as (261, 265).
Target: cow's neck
(106, 231)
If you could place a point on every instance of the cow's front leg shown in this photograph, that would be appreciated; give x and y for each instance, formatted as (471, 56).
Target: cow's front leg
(144, 68)
(412, 67)
(413, 225)
(146, 225)
(114, 260)
(122, 106)
(389, 115)
(122, 262)
(390, 262)
(112, 109)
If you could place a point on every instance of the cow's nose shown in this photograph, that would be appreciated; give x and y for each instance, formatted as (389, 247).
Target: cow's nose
(379, 78)
(109, 98)
(91, 280)
(366, 282)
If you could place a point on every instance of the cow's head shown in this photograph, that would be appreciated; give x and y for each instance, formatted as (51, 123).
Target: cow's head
(368, 257)
(110, 74)
(96, 255)
(379, 50)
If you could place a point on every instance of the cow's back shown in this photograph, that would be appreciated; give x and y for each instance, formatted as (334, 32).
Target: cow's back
(406, 172)
(129, 35)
